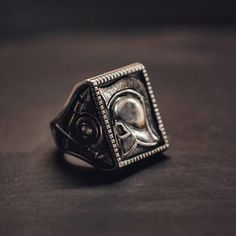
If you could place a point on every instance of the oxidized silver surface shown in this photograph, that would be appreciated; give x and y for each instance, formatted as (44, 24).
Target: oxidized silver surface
(111, 120)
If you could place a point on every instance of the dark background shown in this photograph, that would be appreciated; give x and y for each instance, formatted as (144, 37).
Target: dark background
(26, 16)
(189, 50)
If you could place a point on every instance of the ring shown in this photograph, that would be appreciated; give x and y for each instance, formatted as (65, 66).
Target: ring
(111, 120)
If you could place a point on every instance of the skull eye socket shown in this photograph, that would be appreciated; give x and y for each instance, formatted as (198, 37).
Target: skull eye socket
(87, 129)
(122, 131)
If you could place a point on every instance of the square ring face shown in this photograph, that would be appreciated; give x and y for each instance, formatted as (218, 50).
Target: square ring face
(130, 114)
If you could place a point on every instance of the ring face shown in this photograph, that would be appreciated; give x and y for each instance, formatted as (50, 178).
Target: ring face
(112, 120)
(131, 116)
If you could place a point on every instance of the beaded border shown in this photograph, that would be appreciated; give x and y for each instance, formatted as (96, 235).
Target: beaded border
(112, 75)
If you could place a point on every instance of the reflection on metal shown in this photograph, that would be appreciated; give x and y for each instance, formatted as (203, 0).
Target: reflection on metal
(111, 120)
(78, 130)
(131, 123)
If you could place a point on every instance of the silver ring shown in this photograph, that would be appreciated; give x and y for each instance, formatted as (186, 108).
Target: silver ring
(111, 120)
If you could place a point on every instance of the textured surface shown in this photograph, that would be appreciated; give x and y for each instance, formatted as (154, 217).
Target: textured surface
(190, 191)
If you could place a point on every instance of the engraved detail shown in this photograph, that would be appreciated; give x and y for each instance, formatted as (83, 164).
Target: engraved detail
(132, 128)
(131, 117)
(98, 90)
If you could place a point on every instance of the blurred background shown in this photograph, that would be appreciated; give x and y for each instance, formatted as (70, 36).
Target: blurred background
(27, 17)
(188, 47)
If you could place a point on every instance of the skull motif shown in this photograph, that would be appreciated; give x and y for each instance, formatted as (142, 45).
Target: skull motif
(131, 122)
(111, 120)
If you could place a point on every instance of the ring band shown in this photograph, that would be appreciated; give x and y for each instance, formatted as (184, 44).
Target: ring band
(111, 120)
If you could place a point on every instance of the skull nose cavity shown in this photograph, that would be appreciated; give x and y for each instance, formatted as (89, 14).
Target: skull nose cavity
(131, 111)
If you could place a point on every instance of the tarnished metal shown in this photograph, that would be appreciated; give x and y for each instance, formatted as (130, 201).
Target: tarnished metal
(111, 120)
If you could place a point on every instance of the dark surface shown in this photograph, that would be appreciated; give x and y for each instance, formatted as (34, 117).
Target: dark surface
(27, 16)
(190, 191)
